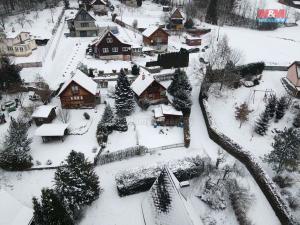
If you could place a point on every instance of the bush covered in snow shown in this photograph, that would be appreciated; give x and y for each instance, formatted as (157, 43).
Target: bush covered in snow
(141, 179)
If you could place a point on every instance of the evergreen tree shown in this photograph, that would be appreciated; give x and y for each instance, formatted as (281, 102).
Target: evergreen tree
(262, 124)
(282, 106)
(51, 210)
(212, 12)
(121, 124)
(180, 89)
(179, 81)
(135, 70)
(15, 155)
(77, 181)
(296, 121)
(189, 23)
(271, 106)
(139, 3)
(9, 73)
(286, 151)
(182, 100)
(124, 100)
(106, 123)
(67, 4)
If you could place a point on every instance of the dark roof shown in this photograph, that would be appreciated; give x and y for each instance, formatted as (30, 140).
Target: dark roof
(176, 14)
(83, 11)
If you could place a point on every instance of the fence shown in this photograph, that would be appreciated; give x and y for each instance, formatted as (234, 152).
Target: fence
(264, 182)
(120, 155)
(166, 147)
(129, 27)
(30, 64)
(276, 68)
(163, 77)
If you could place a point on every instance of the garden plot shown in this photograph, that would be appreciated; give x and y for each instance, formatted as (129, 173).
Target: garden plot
(82, 139)
(40, 23)
(225, 120)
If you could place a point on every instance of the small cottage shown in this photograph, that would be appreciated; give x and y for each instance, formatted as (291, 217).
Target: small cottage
(167, 115)
(108, 47)
(148, 90)
(193, 41)
(156, 37)
(80, 91)
(293, 78)
(14, 212)
(49, 132)
(44, 114)
(82, 25)
(176, 20)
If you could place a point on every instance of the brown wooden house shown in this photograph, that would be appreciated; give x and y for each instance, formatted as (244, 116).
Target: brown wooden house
(79, 92)
(193, 41)
(176, 20)
(156, 37)
(167, 115)
(147, 89)
(293, 78)
(108, 47)
(44, 114)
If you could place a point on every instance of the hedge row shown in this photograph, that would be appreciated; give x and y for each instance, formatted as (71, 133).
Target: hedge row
(141, 179)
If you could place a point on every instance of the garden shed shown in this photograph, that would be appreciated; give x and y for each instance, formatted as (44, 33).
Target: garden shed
(50, 132)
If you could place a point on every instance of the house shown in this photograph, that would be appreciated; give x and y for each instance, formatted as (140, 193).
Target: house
(156, 37)
(193, 41)
(80, 91)
(149, 90)
(136, 50)
(165, 203)
(293, 78)
(21, 45)
(82, 25)
(167, 115)
(176, 20)
(108, 47)
(99, 7)
(44, 114)
(14, 212)
(50, 132)
(131, 3)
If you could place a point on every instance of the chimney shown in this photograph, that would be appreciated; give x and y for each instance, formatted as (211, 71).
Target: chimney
(143, 77)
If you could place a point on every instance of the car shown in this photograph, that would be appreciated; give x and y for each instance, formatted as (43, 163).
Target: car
(194, 50)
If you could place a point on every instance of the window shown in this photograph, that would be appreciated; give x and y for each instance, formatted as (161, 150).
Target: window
(10, 48)
(115, 49)
(83, 16)
(17, 49)
(72, 98)
(126, 49)
(21, 49)
(150, 96)
(75, 89)
(84, 24)
(109, 40)
(81, 97)
(105, 50)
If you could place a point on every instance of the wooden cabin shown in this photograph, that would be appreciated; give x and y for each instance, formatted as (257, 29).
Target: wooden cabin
(49, 132)
(99, 7)
(80, 91)
(147, 89)
(176, 20)
(156, 37)
(108, 47)
(293, 77)
(44, 114)
(167, 115)
(193, 41)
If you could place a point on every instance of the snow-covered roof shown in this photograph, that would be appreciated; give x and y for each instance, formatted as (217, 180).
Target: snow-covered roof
(104, 32)
(147, 49)
(141, 83)
(100, 2)
(149, 31)
(42, 111)
(13, 212)
(52, 130)
(163, 110)
(176, 14)
(178, 210)
(83, 80)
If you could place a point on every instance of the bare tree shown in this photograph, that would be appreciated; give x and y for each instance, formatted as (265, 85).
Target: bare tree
(3, 20)
(64, 115)
(242, 113)
(22, 20)
(52, 11)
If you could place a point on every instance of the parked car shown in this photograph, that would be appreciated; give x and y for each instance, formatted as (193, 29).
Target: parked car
(194, 50)
(10, 106)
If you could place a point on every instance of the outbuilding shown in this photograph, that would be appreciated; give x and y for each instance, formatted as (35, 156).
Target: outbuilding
(167, 115)
(50, 132)
(44, 114)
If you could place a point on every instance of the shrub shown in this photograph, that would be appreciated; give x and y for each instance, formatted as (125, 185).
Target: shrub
(251, 69)
(86, 116)
(49, 162)
(283, 181)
